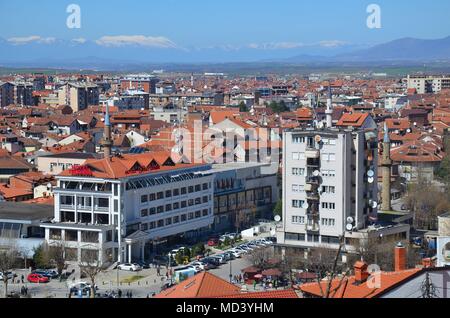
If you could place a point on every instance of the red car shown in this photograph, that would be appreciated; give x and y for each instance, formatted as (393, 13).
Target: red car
(213, 241)
(37, 278)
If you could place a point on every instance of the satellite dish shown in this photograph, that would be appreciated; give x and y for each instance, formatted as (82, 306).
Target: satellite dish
(415, 124)
(350, 219)
(397, 132)
(277, 218)
(408, 130)
(349, 227)
(316, 173)
(370, 173)
(374, 204)
(370, 179)
(306, 205)
(317, 138)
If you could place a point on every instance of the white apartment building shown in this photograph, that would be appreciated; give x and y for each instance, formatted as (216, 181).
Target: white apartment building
(330, 189)
(326, 185)
(428, 83)
(122, 206)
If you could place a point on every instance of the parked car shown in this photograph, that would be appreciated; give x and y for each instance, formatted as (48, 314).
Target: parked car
(202, 266)
(220, 258)
(130, 267)
(47, 273)
(176, 250)
(235, 253)
(143, 265)
(210, 260)
(228, 256)
(37, 278)
(213, 242)
(10, 275)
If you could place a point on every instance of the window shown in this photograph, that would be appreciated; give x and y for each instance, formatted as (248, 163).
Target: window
(183, 190)
(298, 171)
(176, 219)
(152, 225)
(168, 207)
(176, 205)
(183, 204)
(183, 217)
(190, 215)
(168, 193)
(205, 212)
(160, 209)
(298, 219)
(144, 212)
(191, 189)
(151, 197)
(144, 198)
(168, 221)
(298, 140)
(144, 227)
(333, 142)
(160, 223)
(205, 199)
(205, 186)
(190, 202)
(295, 156)
(298, 203)
(160, 195)
(328, 189)
(176, 192)
(198, 188)
(198, 214)
(152, 211)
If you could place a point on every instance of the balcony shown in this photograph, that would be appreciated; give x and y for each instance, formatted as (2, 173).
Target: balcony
(312, 227)
(312, 153)
(313, 163)
(312, 196)
(312, 180)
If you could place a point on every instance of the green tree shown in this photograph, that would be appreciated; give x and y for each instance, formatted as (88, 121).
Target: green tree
(41, 257)
(179, 257)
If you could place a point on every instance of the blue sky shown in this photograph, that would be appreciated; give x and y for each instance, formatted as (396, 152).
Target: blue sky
(227, 25)
(228, 22)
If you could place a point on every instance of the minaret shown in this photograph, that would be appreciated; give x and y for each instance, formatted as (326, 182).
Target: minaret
(107, 140)
(329, 110)
(386, 164)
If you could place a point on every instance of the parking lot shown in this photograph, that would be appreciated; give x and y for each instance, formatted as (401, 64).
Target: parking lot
(141, 284)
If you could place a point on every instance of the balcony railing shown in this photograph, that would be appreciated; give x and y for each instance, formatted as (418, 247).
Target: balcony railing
(312, 153)
(312, 196)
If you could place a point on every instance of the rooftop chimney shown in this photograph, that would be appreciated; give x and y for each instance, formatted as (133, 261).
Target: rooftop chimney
(329, 110)
(361, 273)
(400, 257)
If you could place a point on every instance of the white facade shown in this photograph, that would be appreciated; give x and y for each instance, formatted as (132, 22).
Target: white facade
(428, 83)
(118, 217)
(325, 183)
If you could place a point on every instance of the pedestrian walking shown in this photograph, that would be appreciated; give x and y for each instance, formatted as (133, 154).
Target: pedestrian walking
(120, 293)
(23, 279)
(131, 294)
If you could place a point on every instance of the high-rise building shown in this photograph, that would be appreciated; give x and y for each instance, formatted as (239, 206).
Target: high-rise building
(428, 83)
(78, 96)
(329, 184)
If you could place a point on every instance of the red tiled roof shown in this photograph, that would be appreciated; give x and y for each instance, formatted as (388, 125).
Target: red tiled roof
(288, 293)
(353, 120)
(203, 285)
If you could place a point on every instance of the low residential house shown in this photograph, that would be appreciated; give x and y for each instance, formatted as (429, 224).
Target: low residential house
(41, 185)
(12, 165)
(418, 158)
(55, 163)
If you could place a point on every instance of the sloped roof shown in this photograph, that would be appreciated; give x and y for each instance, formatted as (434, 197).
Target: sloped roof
(203, 285)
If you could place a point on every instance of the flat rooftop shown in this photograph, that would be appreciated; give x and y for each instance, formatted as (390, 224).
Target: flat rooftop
(236, 166)
(25, 211)
(73, 155)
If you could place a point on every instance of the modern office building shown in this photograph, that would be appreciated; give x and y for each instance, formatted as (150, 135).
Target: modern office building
(118, 206)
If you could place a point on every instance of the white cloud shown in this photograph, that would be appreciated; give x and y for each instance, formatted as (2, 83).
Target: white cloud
(79, 40)
(140, 40)
(31, 39)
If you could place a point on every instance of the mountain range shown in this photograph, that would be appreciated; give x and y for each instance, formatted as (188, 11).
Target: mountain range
(55, 53)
